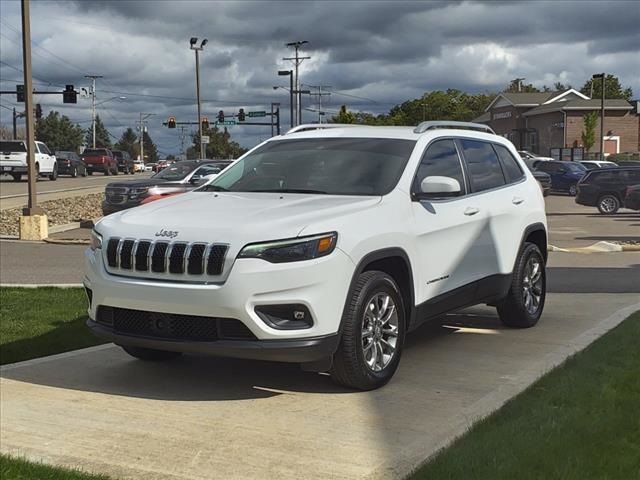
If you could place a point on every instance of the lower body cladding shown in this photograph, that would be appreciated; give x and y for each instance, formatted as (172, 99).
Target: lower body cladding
(288, 312)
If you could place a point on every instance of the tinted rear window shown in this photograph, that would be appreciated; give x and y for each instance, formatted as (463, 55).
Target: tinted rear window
(511, 167)
(12, 147)
(97, 151)
(483, 164)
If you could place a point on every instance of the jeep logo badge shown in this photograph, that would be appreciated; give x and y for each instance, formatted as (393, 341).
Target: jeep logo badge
(167, 233)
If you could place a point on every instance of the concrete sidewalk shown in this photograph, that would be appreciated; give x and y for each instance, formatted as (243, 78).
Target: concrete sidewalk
(208, 418)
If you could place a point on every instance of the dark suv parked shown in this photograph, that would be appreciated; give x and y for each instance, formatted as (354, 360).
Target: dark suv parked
(564, 175)
(125, 162)
(606, 188)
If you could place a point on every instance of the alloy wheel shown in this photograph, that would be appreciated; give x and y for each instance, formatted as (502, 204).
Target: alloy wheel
(532, 285)
(608, 204)
(379, 331)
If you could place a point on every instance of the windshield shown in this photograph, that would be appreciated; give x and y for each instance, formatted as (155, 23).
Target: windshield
(336, 166)
(176, 171)
(12, 147)
(575, 167)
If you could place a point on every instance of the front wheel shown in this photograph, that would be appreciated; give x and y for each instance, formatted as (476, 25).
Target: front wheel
(373, 327)
(573, 190)
(89, 172)
(522, 307)
(107, 172)
(16, 177)
(74, 172)
(608, 204)
(149, 354)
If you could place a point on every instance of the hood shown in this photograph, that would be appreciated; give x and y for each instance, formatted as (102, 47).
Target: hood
(233, 218)
(148, 182)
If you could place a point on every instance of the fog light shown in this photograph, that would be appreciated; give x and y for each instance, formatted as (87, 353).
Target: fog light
(285, 317)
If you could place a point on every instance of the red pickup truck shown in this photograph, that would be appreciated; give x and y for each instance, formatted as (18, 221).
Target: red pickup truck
(100, 160)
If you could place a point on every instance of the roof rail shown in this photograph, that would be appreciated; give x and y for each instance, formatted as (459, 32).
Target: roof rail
(424, 126)
(321, 126)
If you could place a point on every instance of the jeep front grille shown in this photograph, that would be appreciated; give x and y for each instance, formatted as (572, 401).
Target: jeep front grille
(194, 258)
(116, 195)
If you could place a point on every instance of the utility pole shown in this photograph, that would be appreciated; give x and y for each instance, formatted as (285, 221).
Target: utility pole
(297, 60)
(93, 105)
(143, 117)
(32, 206)
(320, 94)
(15, 124)
(602, 76)
(193, 46)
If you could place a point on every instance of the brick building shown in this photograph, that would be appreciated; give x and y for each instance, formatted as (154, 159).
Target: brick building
(547, 121)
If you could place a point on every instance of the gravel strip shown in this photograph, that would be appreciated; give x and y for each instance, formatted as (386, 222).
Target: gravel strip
(59, 212)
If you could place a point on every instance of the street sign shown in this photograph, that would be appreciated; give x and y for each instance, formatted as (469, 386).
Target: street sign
(205, 138)
(257, 114)
(226, 122)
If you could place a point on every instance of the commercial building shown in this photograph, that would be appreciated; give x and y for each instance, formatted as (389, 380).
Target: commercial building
(547, 122)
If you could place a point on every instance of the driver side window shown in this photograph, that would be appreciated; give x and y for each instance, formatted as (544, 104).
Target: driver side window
(440, 159)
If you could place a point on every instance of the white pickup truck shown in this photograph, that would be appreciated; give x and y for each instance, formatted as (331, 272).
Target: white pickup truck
(13, 160)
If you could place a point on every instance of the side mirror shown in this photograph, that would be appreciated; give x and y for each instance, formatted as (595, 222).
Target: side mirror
(437, 186)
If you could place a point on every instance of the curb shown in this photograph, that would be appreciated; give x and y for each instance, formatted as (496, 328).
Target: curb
(599, 247)
(41, 285)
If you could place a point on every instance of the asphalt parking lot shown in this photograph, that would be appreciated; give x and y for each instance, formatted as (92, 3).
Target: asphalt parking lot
(200, 418)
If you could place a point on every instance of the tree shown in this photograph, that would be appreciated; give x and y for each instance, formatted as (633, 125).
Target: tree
(150, 149)
(219, 146)
(171, 157)
(344, 116)
(612, 88)
(58, 132)
(589, 130)
(128, 143)
(102, 135)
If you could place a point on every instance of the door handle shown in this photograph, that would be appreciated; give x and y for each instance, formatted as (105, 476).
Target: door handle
(471, 211)
(517, 200)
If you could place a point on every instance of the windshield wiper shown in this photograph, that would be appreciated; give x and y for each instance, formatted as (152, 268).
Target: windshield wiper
(289, 190)
(211, 188)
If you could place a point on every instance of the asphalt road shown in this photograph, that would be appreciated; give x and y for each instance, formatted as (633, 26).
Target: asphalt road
(14, 194)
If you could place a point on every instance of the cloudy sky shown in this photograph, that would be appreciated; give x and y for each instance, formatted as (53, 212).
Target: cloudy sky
(372, 54)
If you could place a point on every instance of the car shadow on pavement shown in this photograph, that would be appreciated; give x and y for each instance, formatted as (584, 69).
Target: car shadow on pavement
(198, 378)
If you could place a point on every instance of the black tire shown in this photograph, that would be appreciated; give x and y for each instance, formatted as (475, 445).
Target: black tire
(74, 172)
(84, 172)
(150, 355)
(545, 193)
(608, 204)
(54, 174)
(573, 190)
(115, 171)
(350, 366)
(107, 172)
(16, 177)
(513, 309)
(89, 172)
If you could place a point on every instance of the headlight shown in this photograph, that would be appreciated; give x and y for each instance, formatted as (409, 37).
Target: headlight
(96, 240)
(136, 192)
(292, 250)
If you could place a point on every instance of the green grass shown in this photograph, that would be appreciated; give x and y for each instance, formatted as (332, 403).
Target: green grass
(18, 469)
(581, 421)
(43, 321)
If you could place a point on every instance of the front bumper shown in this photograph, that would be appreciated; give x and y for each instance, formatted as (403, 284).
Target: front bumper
(294, 351)
(321, 285)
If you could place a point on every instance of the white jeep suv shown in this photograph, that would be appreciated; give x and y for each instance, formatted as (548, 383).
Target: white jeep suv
(325, 247)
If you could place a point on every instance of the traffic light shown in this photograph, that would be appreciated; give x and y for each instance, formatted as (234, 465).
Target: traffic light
(38, 111)
(220, 116)
(241, 115)
(69, 95)
(205, 123)
(20, 93)
(172, 122)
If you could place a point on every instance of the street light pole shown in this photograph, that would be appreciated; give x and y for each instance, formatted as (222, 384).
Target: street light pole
(593, 77)
(192, 43)
(297, 61)
(93, 105)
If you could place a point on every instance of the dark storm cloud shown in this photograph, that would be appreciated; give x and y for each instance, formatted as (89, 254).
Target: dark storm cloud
(374, 54)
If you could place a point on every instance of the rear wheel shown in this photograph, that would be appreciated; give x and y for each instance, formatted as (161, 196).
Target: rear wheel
(107, 172)
(89, 172)
(372, 334)
(149, 354)
(84, 172)
(608, 204)
(573, 190)
(16, 177)
(522, 307)
(74, 172)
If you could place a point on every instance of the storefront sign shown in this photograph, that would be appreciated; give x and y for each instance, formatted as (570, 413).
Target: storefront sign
(497, 116)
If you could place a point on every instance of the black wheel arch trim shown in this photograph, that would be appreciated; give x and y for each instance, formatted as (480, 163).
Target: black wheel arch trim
(534, 227)
(377, 255)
